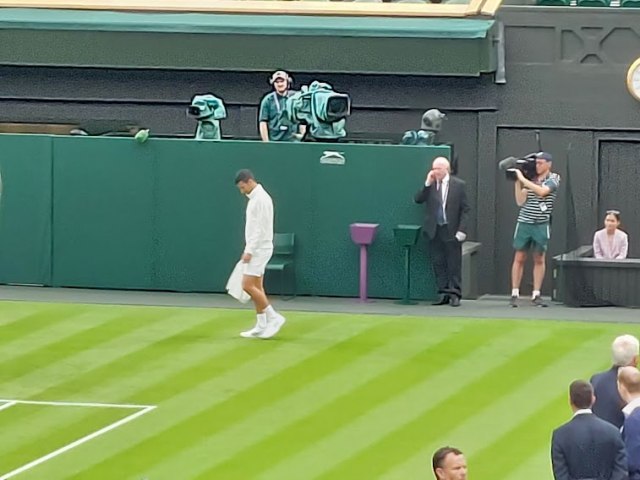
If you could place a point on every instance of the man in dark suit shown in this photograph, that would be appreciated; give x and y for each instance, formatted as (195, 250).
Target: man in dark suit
(587, 447)
(445, 227)
(608, 406)
(629, 386)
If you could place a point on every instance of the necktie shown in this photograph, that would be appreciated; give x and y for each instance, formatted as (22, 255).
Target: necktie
(440, 217)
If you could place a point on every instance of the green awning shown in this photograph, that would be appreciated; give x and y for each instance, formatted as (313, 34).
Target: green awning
(229, 24)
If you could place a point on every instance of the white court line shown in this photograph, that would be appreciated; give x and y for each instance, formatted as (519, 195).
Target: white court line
(145, 409)
(76, 404)
(7, 404)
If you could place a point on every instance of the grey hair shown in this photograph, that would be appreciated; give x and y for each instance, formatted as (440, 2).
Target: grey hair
(444, 161)
(623, 349)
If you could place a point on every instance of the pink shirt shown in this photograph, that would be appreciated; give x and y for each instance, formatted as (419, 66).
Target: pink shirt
(611, 247)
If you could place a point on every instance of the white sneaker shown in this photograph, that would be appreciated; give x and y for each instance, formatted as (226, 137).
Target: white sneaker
(254, 332)
(273, 326)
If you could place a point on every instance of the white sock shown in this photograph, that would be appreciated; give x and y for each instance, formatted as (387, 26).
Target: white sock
(536, 293)
(515, 292)
(262, 320)
(270, 311)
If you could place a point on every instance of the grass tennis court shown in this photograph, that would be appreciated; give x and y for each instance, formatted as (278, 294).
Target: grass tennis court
(175, 394)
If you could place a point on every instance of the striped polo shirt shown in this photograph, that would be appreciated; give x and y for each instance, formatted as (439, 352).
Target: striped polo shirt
(538, 209)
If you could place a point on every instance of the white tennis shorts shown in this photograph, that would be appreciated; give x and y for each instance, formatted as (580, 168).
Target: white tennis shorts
(258, 263)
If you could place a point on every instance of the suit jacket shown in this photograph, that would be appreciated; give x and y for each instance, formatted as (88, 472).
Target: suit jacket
(608, 404)
(618, 248)
(631, 437)
(588, 448)
(456, 208)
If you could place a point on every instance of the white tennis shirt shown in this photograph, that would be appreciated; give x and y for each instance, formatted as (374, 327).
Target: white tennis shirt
(258, 230)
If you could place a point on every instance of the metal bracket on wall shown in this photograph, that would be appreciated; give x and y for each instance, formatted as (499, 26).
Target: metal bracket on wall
(500, 67)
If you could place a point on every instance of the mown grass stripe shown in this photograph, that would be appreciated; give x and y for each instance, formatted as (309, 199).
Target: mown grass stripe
(11, 312)
(208, 359)
(37, 320)
(498, 418)
(356, 431)
(533, 429)
(86, 420)
(537, 465)
(89, 339)
(119, 368)
(356, 403)
(104, 378)
(402, 342)
(65, 360)
(242, 354)
(214, 385)
(292, 377)
(401, 444)
(183, 367)
(57, 331)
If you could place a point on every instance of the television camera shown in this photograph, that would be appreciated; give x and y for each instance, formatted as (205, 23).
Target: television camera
(323, 110)
(208, 110)
(527, 165)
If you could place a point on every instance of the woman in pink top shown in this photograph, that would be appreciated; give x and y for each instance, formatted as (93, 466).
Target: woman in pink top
(610, 243)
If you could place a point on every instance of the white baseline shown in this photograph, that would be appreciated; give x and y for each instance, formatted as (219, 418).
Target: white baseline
(142, 410)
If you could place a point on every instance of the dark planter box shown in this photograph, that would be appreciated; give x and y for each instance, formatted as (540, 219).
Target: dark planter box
(579, 280)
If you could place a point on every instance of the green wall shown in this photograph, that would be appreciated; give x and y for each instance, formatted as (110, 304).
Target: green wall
(25, 209)
(165, 215)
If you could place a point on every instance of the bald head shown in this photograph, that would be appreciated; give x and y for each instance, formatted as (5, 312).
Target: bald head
(629, 383)
(440, 168)
(441, 162)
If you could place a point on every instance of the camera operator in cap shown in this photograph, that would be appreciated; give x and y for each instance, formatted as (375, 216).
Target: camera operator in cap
(273, 125)
(536, 199)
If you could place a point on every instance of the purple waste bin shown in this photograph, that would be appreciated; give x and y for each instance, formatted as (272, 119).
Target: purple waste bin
(363, 234)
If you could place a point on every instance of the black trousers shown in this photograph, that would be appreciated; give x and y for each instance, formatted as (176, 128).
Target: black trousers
(446, 258)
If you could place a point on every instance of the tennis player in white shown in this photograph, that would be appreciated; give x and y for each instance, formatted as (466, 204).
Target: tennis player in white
(258, 249)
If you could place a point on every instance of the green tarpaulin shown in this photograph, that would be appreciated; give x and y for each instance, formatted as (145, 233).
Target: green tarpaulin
(298, 25)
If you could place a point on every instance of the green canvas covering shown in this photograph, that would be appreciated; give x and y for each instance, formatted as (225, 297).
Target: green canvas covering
(296, 25)
(232, 42)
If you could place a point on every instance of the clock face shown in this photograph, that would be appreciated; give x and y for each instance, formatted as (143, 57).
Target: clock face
(633, 79)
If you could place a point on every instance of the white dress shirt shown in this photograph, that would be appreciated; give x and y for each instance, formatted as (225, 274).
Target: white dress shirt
(631, 406)
(582, 411)
(443, 191)
(258, 231)
(442, 187)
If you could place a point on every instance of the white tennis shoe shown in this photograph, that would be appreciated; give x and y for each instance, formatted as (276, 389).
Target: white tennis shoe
(273, 326)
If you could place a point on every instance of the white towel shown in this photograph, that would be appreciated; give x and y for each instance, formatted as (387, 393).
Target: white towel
(234, 285)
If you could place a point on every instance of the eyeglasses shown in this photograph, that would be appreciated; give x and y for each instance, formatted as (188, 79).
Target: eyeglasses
(613, 212)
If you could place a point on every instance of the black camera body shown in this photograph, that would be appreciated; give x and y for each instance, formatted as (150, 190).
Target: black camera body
(526, 165)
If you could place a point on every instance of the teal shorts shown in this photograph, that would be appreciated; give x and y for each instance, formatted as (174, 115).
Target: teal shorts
(531, 236)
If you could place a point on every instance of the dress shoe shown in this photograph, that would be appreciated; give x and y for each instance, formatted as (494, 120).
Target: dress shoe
(444, 300)
(455, 301)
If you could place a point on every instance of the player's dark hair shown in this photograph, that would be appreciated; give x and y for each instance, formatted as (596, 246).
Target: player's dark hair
(244, 175)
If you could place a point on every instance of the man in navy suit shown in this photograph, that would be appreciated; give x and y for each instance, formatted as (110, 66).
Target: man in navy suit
(629, 386)
(587, 447)
(445, 226)
(608, 406)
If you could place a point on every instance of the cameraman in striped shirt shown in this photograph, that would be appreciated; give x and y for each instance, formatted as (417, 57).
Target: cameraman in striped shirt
(535, 199)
